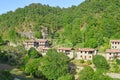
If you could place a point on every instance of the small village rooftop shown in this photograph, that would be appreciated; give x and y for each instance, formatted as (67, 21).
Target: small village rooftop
(64, 48)
(32, 40)
(86, 49)
(38, 40)
(113, 51)
(42, 40)
(114, 40)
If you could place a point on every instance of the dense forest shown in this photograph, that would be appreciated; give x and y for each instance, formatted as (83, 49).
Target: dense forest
(91, 24)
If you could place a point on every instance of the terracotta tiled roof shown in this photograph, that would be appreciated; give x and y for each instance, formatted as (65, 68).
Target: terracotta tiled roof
(112, 50)
(46, 48)
(63, 48)
(41, 40)
(38, 40)
(86, 49)
(30, 40)
(114, 40)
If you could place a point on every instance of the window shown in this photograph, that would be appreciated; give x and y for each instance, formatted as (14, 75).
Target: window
(110, 53)
(89, 56)
(81, 56)
(90, 52)
(112, 46)
(115, 46)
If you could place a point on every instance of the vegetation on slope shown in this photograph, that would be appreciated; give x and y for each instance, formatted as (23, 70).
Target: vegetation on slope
(90, 24)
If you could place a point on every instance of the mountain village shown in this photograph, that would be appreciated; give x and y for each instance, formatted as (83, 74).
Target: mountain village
(43, 45)
(44, 42)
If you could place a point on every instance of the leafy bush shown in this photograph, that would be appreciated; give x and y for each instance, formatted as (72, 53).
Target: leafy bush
(114, 68)
(86, 73)
(5, 75)
(38, 34)
(3, 57)
(89, 62)
(100, 62)
(66, 77)
(33, 53)
(54, 64)
(82, 61)
(118, 61)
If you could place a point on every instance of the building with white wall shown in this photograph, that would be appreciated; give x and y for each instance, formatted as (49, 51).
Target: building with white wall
(85, 53)
(68, 51)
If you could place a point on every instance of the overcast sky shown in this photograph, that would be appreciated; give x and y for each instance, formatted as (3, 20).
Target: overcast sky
(8, 5)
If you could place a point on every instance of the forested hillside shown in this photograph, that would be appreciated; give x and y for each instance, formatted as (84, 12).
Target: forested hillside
(91, 24)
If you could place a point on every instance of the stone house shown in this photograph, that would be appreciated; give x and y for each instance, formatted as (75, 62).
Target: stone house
(85, 53)
(38, 44)
(68, 51)
(114, 51)
(112, 54)
(115, 44)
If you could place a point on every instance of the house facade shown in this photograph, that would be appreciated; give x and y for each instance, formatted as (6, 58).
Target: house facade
(37, 44)
(68, 51)
(114, 51)
(86, 53)
(115, 44)
(112, 54)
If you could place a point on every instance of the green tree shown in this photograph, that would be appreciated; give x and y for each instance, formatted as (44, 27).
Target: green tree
(33, 53)
(1, 40)
(86, 73)
(13, 35)
(54, 64)
(100, 62)
(38, 34)
(32, 68)
(66, 77)
(5, 75)
(3, 56)
(14, 54)
(91, 43)
(98, 75)
(118, 61)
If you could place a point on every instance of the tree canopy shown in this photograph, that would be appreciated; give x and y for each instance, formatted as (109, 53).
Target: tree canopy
(100, 62)
(86, 73)
(33, 53)
(54, 64)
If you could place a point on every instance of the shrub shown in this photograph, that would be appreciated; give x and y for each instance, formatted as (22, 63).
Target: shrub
(100, 62)
(82, 61)
(66, 77)
(89, 62)
(33, 53)
(86, 73)
(5, 75)
(118, 61)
